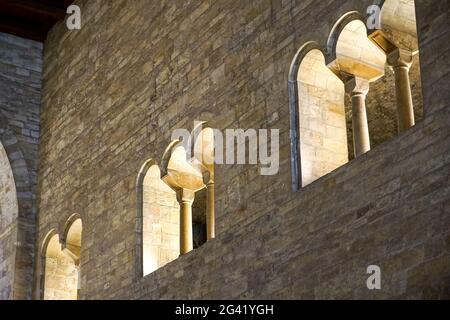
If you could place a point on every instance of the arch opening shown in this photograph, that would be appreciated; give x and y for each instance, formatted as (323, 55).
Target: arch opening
(61, 273)
(176, 201)
(378, 76)
(320, 117)
(161, 222)
(356, 55)
(9, 210)
(72, 240)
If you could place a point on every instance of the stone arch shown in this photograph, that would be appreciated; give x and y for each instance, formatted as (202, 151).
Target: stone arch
(42, 264)
(157, 220)
(18, 165)
(293, 111)
(352, 53)
(336, 31)
(317, 111)
(398, 26)
(361, 57)
(71, 238)
(59, 270)
(68, 225)
(9, 211)
(21, 230)
(186, 175)
(140, 217)
(358, 62)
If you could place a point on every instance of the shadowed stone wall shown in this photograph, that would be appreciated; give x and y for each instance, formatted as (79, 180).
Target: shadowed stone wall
(114, 91)
(20, 97)
(433, 29)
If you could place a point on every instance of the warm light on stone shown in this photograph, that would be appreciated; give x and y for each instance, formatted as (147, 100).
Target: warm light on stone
(61, 266)
(160, 214)
(356, 55)
(323, 135)
(102, 198)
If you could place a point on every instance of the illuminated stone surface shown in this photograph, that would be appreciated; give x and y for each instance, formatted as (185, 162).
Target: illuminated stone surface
(114, 91)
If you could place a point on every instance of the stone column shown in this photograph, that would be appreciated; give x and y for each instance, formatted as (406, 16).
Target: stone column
(210, 213)
(186, 198)
(401, 60)
(358, 88)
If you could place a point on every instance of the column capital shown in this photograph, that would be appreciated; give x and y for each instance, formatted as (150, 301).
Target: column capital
(400, 58)
(185, 196)
(357, 86)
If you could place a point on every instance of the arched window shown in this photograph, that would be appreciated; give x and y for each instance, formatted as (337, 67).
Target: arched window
(72, 238)
(8, 214)
(358, 62)
(369, 78)
(60, 272)
(61, 259)
(354, 54)
(176, 211)
(160, 221)
(320, 115)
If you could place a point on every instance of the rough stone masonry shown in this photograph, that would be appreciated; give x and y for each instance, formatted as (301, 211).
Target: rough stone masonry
(113, 92)
(20, 100)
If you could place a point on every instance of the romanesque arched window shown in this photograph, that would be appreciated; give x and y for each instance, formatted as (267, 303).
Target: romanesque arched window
(176, 201)
(319, 115)
(357, 87)
(160, 220)
(61, 259)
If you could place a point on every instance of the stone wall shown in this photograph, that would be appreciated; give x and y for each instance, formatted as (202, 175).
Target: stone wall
(8, 216)
(114, 91)
(20, 89)
(388, 208)
(433, 29)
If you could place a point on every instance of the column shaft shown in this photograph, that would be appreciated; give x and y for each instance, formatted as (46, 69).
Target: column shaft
(405, 108)
(361, 140)
(186, 242)
(210, 212)
(358, 88)
(186, 198)
(401, 60)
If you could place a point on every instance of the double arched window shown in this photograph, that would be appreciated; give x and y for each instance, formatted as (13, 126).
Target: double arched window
(330, 86)
(60, 262)
(176, 201)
